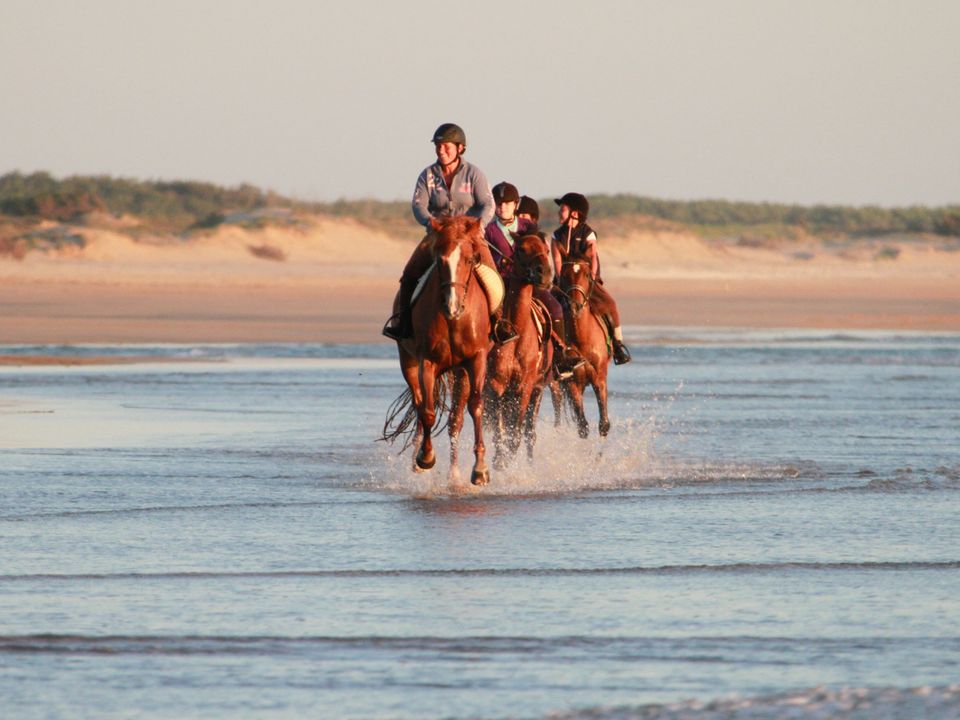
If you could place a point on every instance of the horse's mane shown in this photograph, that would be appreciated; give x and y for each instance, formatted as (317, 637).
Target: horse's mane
(455, 227)
(576, 257)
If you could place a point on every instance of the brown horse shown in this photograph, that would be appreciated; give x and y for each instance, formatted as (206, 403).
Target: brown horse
(588, 335)
(517, 372)
(451, 321)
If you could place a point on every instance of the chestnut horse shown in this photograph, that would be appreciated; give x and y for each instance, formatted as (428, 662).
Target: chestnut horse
(451, 321)
(587, 333)
(517, 372)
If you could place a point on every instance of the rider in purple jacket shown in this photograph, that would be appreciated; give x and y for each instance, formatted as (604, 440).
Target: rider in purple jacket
(499, 235)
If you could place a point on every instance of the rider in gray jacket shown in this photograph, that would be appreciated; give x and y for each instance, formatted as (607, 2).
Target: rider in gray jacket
(449, 187)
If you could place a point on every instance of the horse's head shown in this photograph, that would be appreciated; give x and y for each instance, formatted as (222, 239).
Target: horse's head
(531, 260)
(576, 281)
(455, 256)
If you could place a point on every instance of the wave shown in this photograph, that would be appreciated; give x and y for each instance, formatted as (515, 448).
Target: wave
(191, 508)
(845, 703)
(743, 567)
(686, 649)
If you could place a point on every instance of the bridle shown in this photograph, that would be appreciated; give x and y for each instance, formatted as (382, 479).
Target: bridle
(463, 287)
(576, 306)
(529, 272)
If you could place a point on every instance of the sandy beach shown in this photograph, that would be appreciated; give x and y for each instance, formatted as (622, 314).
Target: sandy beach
(331, 280)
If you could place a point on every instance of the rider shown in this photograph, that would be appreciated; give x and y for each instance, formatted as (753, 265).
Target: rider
(528, 209)
(449, 187)
(574, 235)
(499, 234)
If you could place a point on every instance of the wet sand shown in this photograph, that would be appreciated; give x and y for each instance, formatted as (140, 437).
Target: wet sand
(354, 310)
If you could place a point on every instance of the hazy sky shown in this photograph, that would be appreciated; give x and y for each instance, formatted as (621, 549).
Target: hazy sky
(807, 101)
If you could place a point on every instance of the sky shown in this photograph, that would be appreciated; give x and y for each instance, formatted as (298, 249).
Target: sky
(852, 102)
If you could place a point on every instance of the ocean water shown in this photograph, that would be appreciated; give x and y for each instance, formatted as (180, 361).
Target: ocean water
(770, 530)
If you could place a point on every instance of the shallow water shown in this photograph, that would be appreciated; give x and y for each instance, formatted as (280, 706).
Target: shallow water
(770, 531)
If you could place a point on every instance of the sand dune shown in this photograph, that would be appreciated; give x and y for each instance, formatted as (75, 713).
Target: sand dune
(325, 279)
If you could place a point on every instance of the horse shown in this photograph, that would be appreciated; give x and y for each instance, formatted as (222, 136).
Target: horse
(451, 322)
(517, 372)
(587, 333)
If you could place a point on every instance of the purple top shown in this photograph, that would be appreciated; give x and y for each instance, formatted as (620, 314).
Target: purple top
(500, 246)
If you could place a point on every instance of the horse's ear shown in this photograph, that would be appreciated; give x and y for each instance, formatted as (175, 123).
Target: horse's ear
(473, 224)
(435, 224)
(541, 234)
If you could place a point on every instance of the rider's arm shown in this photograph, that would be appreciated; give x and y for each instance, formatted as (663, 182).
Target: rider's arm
(421, 199)
(592, 251)
(484, 207)
(555, 251)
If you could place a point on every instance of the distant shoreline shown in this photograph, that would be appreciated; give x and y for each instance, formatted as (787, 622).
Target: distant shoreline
(329, 280)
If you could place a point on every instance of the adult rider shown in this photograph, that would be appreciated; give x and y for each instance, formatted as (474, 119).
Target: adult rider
(449, 187)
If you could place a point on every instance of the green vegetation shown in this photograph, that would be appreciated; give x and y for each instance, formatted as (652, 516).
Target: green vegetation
(817, 220)
(180, 206)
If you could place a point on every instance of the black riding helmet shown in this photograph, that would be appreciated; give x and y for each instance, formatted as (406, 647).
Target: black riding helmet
(528, 206)
(576, 202)
(449, 132)
(505, 192)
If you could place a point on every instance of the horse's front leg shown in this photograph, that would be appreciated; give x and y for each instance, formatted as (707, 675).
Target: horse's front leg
(496, 404)
(458, 401)
(530, 421)
(427, 412)
(477, 373)
(575, 393)
(556, 395)
(522, 405)
(600, 390)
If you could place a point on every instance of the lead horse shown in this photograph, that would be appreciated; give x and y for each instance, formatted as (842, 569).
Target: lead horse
(518, 371)
(587, 333)
(451, 322)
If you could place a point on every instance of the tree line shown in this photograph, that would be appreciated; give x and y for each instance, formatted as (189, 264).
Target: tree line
(185, 204)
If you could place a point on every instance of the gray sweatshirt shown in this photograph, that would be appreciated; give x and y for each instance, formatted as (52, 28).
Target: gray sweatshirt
(470, 194)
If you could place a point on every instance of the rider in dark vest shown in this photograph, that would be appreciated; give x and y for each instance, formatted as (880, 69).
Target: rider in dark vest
(575, 236)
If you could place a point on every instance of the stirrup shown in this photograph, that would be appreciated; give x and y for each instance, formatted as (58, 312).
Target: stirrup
(396, 332)
(571, 358)
(621, 356)
(502, 333)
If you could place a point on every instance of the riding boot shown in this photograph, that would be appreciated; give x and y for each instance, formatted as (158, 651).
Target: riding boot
(621, 355)
(566, 359)
(501, 331)
(402, 328)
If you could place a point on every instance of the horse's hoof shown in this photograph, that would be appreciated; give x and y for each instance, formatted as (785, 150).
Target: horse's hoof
(604, 429)
(480, 477)
(584, 432)
(426, 464)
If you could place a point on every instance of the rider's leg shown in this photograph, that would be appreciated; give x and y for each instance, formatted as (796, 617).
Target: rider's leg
(566, 359)
(604, 306)
(500, 332)
(400, 326)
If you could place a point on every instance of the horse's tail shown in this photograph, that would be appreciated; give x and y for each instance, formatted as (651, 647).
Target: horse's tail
(401, 419)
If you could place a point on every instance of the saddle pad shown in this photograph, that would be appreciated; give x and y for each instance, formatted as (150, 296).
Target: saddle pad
(492, 285)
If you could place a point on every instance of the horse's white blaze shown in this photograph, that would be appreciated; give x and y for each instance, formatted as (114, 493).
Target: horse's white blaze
(451, 296)
(576, 267)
